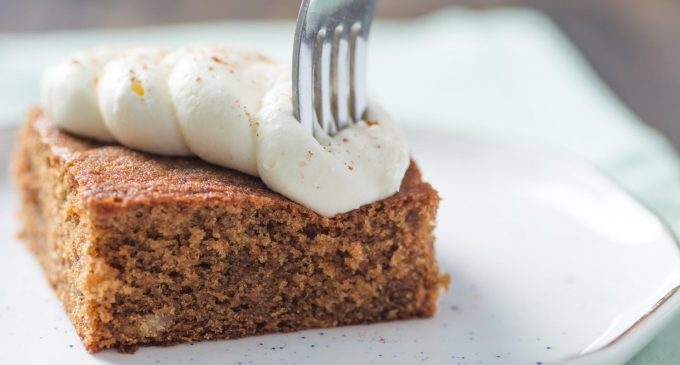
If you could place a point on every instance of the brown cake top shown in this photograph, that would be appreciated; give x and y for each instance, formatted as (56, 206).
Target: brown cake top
(114, 175)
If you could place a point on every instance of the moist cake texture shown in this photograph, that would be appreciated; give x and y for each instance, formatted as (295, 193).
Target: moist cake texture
(144, 249)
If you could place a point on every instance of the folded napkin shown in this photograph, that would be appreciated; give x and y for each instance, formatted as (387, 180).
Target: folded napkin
(507, 73)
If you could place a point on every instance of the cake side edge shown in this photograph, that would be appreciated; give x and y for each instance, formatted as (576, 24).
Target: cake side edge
(56, 228)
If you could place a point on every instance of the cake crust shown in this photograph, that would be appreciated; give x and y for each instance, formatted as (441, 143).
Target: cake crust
(144, 249)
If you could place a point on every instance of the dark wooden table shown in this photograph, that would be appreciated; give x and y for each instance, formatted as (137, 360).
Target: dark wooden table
(633, 44)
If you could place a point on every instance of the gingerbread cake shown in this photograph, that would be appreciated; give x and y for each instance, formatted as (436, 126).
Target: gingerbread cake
(143, 249)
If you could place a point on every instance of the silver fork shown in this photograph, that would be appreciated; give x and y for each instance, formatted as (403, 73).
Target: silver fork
(329, 63)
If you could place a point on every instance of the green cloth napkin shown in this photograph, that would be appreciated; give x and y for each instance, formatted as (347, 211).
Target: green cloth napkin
(505, 72)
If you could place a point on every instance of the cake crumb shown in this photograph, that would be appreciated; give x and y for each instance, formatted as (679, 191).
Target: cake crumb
(218, 60)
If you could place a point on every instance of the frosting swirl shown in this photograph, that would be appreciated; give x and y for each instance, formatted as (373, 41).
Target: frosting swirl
(230, 107)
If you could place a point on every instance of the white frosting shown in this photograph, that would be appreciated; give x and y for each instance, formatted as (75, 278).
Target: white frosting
(230, 107)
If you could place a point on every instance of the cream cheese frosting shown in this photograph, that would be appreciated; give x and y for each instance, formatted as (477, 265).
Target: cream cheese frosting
(230, 107)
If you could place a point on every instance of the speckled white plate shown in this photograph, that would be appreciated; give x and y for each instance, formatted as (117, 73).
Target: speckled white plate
(551, 263)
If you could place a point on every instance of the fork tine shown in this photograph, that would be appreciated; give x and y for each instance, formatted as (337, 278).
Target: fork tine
(322, 81)
(303, 105)
(329, 63)
(340, 76)
(357, 69)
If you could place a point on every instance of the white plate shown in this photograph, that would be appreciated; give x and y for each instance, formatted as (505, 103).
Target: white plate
(550, 262)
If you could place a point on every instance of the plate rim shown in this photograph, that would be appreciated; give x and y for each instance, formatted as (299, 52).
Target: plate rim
(560, 152)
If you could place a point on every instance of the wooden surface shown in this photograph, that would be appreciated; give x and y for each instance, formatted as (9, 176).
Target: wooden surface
(633, 44)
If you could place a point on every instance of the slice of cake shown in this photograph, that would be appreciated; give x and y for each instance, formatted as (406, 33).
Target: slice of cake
(144, 249)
